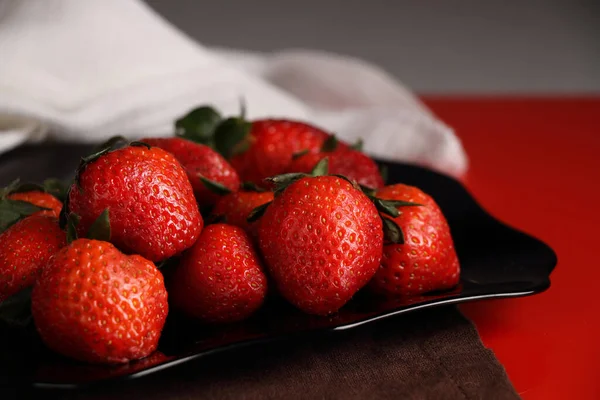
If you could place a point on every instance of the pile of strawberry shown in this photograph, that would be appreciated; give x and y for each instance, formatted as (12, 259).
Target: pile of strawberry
(313, 219)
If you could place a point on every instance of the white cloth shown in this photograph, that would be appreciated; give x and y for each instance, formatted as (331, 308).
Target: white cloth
(86, 70)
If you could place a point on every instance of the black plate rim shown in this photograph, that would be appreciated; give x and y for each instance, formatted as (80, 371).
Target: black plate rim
(251, 342)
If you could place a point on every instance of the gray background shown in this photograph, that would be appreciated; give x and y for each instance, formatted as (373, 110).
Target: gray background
(433, 46)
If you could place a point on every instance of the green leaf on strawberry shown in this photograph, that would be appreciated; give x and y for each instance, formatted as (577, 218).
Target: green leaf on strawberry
(16, 310)
(10, 188)
(100, 228)
(392, 233)
(321, 168)
(12, 211)
(53, 186)
(252, 187)
(330, 144)
(214, 187)
(199, 125)
(258, 212)
(72, 222)
(383, 171)
(390, 207)
(300, 154)
(230, 135)
(56, 187)
(358, 146)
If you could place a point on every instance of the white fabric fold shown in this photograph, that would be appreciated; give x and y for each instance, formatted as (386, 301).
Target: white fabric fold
(86, 70)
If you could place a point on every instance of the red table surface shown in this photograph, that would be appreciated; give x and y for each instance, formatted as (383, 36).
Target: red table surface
(535, 164)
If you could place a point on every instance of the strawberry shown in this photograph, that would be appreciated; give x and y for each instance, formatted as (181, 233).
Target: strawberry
(220, 278)
(201, 164)
(42, 196)
(152, 207)
(237, 206)
(257, 149)
(95, 304)
(40, 199)
(347, 162)
(321, 239)
(25, 248)
(427, 260)
(271, 146)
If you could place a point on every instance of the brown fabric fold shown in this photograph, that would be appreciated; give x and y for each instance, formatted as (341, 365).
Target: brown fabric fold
(431, 354)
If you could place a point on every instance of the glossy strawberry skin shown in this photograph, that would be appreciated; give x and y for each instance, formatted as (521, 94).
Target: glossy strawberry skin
(25, 249)
(347, 162)
(427, 261)
(150, 200)
(272, 143)
(235, 208)
(95, 304)
(40, 199)
(200, 160)
(322, 241)
(220, 278)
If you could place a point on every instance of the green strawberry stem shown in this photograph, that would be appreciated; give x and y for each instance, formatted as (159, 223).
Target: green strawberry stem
(258, 212)
(391, 230)
(100, 228)
(199, 125)
(358, 146)
(15, 311)
(56, 187)
(252, 187)
(72, 222)
(111, 144)
(140, 144)
(284, 180)
(12, 211)
(213, 186)
(215, 219)
(321, 168)
(330, 144)
(383, 171)
(392, 233)
(230, 136)
(53, 186)
(300, 154)
(390, 207)
(10, 188)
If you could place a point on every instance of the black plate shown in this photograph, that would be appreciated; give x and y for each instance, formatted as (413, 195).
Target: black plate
(497, 261)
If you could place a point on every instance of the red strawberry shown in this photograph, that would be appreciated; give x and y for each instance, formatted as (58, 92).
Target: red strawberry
(42, 196)
(347, 162)
(220, 278)
(322, 240)
(40, 199)
(427, 260)
(25, 248)
(201, 163)
(95, 304)
(269, 146)
(150, 200)
(236, 207)
(257, 149)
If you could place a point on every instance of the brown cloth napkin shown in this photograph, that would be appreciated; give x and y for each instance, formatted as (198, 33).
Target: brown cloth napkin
(430, 354)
